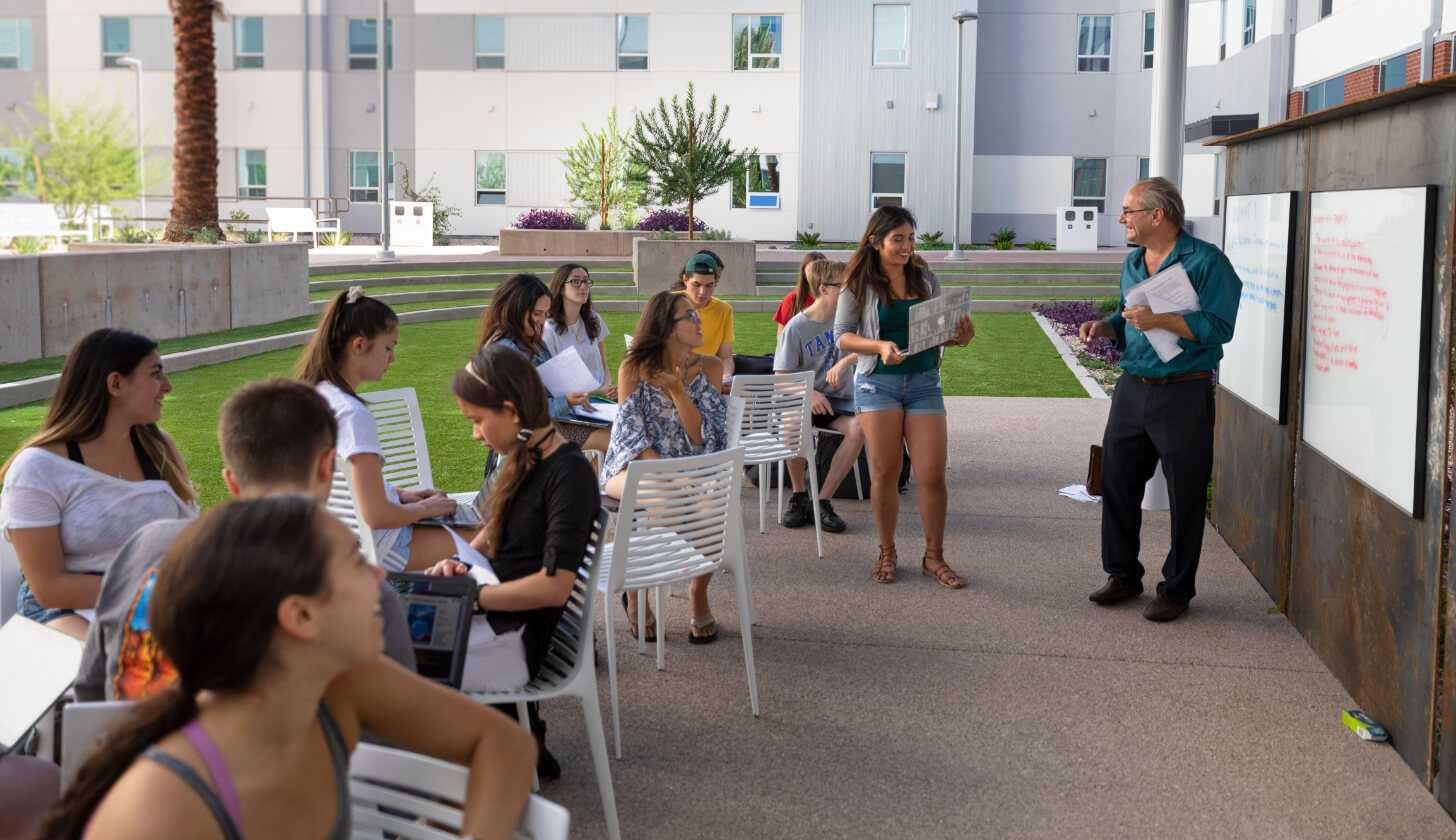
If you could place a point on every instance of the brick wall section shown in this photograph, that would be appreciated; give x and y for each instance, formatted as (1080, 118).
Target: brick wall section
(1412, 67)
(1363, 83)
(1296, 104)
(1442, 63)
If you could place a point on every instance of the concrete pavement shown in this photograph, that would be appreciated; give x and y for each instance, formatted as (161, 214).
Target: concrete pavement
(1014, 709)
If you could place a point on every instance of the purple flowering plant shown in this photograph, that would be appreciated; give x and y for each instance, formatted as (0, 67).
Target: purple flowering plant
(547, 219)
(668, 218)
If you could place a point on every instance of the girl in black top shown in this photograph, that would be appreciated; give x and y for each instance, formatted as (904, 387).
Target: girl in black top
(541, 507)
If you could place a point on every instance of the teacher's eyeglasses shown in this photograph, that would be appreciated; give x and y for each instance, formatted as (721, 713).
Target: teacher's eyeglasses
(580, 282)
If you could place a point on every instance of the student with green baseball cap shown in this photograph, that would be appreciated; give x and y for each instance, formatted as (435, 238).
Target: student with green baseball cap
(698, 282)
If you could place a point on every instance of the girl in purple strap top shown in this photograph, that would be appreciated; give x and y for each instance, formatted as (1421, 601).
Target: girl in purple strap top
(271, 616)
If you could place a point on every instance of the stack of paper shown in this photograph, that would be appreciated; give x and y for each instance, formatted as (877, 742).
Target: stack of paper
(565, 373)
(1167, 291)
(1078, 493)
(479, 564)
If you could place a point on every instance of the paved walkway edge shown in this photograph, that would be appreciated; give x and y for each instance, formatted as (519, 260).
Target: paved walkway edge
(1093, 387)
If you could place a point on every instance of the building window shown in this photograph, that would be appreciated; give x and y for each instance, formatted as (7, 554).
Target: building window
(364, 176)
(758, 41)
(1222, 29)
(1326, 94)
(364, 44)
(15, 45)
(490, 177)
(1250, 13)
(1143, 164)
(1327, 8)
(887, 179)
(252, 173)
(631, 42)
(249, 52)
(1148, 30)
(1392, 73)
(115, 41)
(1089, 183)
(892, 35)
(758, 189)
(1094, 43)
(490, 42)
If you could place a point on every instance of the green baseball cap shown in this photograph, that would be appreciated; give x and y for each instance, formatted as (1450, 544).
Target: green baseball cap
(703, 262)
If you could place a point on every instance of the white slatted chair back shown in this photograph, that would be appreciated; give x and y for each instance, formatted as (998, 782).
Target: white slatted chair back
(776, 427)
(401, 794)
(83, 726)
(570, 667)
(9, 576)
(402, 437)
(342, 505)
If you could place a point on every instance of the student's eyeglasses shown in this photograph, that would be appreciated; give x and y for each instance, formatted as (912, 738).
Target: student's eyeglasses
(691, 315)
(580, 282)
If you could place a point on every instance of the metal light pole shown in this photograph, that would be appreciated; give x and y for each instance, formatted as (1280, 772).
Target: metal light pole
(384, 254)
(960, 18)
(136, 64)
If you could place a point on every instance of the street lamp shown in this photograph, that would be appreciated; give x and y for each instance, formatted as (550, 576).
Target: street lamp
(381, 31)
(136, 64)
(960, 18)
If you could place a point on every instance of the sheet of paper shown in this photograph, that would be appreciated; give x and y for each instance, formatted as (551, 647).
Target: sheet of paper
(486, 575)
(1167, 291)
(1078, 493)
(605, 413)
(933, 322)
(565, 373)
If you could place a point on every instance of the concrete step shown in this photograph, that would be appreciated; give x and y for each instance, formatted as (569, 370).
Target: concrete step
(768, 282)
(487, 278)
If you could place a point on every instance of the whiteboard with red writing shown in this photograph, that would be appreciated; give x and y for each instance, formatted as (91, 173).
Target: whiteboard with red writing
(1367, 336)
(1257, 234)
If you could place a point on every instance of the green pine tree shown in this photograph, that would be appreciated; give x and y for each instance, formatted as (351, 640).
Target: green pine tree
(600, 173)
(685, 152)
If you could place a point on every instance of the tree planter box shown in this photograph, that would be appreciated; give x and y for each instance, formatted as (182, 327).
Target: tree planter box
(162, 291)
(657, 263)
(515, 242)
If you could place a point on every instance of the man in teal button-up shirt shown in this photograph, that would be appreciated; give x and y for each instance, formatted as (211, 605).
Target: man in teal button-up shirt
(1161, 411)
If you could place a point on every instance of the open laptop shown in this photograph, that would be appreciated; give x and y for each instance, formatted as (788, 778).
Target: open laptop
(465, 516)
(37, 666)
(437, 611)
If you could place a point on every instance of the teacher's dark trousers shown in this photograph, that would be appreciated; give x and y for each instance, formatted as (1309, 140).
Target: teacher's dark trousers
(1171, 422)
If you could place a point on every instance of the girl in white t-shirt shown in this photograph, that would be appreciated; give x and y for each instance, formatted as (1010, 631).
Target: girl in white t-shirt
(571, 323)
(354, 343)
(98, 469)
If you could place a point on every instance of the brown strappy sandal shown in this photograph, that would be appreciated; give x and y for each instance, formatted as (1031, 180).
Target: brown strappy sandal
(885, 566)
(943, 573)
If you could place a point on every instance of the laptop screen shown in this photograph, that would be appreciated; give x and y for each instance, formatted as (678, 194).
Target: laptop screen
(437, 612)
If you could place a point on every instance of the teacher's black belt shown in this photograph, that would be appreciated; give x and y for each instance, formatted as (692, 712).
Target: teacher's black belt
(1180, 377)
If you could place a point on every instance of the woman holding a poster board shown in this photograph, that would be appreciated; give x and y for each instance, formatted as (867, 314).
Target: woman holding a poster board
(897, 395)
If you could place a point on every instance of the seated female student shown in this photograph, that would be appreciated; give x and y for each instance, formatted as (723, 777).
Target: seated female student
(672, 407)
(799, 299)
(271, 615)
(807, 343)
(698, 281)
(354, 344)
(541, 510)
(516, 318)
(98, 469)
(570, 322)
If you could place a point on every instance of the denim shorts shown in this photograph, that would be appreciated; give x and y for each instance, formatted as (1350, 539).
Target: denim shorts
(914, 393)
(396, 556)
(27, 605)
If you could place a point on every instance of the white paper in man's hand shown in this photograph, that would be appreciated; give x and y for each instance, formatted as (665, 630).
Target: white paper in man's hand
(565, 373)
(479, 564)
(1169, 290)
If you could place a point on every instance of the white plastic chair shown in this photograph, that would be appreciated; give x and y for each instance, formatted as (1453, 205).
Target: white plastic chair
(83, 726)
(9, 576)
(679, 518)
(402, 437)
(774, 428)
(570, 669)
(342, 505)
(403, 794)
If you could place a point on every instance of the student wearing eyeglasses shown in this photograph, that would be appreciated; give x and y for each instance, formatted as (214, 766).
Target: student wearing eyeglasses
(571, 322)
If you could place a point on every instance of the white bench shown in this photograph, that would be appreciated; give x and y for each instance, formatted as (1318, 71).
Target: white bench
(29, 219)
(296, 220)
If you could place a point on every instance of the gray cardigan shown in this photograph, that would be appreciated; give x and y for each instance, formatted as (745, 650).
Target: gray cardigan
(863, 319)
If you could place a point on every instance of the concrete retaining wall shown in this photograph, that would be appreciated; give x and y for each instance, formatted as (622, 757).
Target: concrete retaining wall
(657, 263)
(571, 243)
(157, 290)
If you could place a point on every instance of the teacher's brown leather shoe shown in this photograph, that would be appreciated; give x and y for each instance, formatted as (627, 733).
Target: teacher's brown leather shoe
(1116, 591)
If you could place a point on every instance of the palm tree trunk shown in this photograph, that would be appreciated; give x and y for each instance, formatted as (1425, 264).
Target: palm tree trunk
(194, 149)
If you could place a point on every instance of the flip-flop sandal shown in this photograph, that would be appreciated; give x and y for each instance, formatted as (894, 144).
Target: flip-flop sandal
(632, 622)
(706, 638)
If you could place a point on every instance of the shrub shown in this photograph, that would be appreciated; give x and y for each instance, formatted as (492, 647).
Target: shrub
(133, 235)
(27, 245)
(253, 237)
(932, 241)
(807, 239)
(665, 234)
(239, 215)
(1040, 245)
(548, 219)
(627, 218)
(1004, 245)
(205, 236)
(715, 233)
(331, 240)
(668, 218)
(1005, 234)
(1069, 315)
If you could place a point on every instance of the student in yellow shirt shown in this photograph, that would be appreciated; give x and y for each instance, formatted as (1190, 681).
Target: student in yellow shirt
(698, 281)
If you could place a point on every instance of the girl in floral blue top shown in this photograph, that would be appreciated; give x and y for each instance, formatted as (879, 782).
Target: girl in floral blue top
(672, 407)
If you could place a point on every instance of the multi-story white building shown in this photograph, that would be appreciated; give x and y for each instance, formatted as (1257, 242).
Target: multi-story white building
(849, 103)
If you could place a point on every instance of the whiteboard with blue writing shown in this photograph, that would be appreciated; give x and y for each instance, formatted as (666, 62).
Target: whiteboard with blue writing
(1367, 336)
(1257, 239)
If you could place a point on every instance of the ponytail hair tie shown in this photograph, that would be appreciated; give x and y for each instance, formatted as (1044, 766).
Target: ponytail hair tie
(354, 293)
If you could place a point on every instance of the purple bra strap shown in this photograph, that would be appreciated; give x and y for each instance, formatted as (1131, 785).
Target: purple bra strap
(217, 768)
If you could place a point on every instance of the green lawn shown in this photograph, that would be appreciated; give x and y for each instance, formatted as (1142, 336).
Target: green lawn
(1010, 357)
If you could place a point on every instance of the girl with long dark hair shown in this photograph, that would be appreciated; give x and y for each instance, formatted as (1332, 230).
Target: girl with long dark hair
(672, 407)
(801, 297)
(354, 344)
(897, 396)
(98, 469)
(571, 322)
(271, 615)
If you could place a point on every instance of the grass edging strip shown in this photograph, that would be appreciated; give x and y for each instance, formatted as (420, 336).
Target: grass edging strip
(1093, 388)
